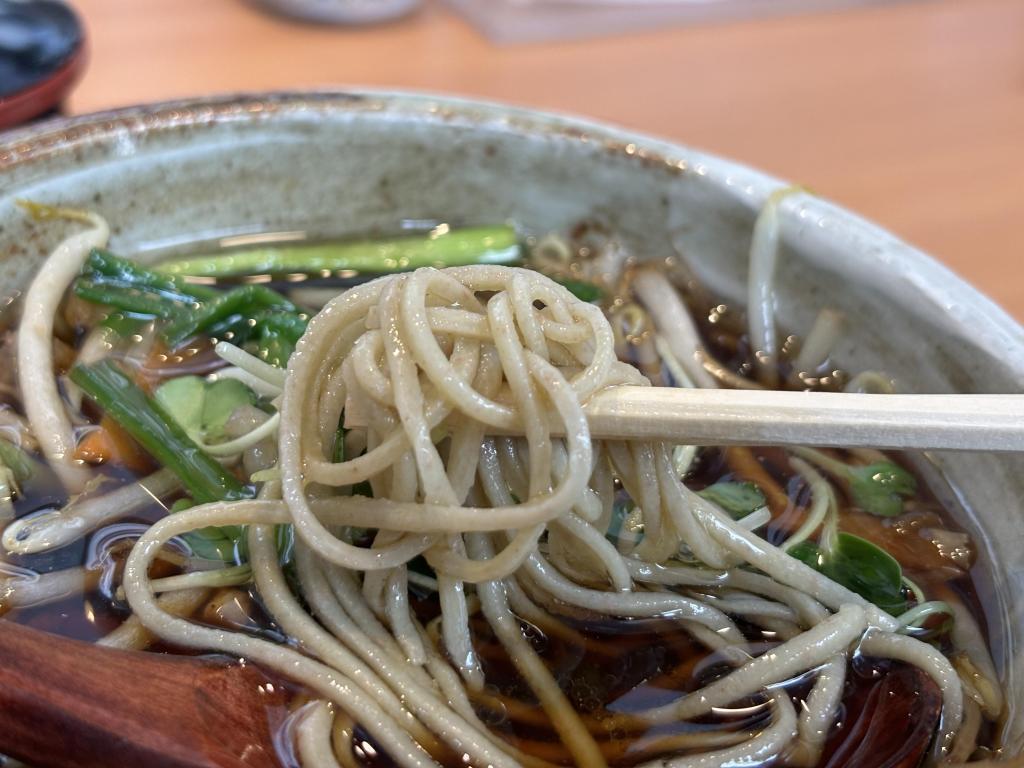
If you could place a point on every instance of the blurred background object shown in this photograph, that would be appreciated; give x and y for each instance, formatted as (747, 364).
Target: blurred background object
(517, 21)
(911, 113)
(41, 56)
(341, 11)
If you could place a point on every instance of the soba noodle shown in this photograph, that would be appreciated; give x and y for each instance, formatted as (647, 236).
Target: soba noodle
(433, 375)
(449, 384)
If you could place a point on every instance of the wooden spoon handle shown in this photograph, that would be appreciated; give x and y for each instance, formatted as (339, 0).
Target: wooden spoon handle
(69, 704)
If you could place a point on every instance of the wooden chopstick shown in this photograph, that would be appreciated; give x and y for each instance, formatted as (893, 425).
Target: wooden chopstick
(756, 417)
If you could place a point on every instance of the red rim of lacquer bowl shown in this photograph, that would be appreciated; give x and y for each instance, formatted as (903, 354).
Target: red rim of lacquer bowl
(38, 99)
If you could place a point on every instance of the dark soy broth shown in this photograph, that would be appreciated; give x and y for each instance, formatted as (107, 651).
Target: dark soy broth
(607, 668)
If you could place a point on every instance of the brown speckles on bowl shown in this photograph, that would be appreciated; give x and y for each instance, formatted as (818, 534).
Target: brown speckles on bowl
(335, 162)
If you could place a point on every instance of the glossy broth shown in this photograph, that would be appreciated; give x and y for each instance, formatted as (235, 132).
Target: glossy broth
(604, 666)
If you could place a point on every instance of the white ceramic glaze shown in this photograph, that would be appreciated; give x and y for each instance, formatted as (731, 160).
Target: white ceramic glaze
(335, 163)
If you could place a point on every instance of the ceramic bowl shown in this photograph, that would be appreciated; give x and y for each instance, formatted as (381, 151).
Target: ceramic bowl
(334, 163)
(341, 11)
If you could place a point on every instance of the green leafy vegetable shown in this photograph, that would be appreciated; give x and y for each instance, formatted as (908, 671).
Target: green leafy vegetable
(146, 420)
(285, 537)
(483, 245)
(881, 488)
(807, 552)
(128, 299)
(861, 567)
(246, 300)
(878, 488)
(103, 264)
(362, 488)
(581, 290)
(122, 324)
(16, 460)
(278, 332)
(224, 543)
(187, 309)
(210, 543)
(738, 499)
(338, 449)
(626, 523)
(223, 398)
(203, 408)
(227, 542)
(183, 398)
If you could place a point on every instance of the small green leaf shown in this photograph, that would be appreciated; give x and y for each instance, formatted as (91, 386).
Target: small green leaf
(620, 514)
(183, 398)
(881, 488)
(181, 504)
(868, 570)
(338, 449)
(223, 397)
(738, 499)
(16, 459)
(122, 324)
(202, 408)
(285, 537)
(338, 455)
(808, 553)
(216, 543)
(225, 543)
(583, 291)
(861, 567)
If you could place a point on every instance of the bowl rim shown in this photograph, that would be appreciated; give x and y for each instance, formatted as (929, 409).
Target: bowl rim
(865, 244)
(865, 250)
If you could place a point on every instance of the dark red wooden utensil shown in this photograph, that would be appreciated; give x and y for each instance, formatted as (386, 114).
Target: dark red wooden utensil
(42, 54)
(68, 704)
(888, 717)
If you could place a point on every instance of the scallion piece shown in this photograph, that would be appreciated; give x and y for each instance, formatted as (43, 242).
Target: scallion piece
(879, 488)
(739, 499)
(146, 421)
(481, 245)
(279, 332)
(16, 460)
(581, 290)
(246, 300)
(127, 298)
(106, 264)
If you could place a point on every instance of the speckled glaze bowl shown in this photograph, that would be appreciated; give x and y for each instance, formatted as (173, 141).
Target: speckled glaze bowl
(334, 163)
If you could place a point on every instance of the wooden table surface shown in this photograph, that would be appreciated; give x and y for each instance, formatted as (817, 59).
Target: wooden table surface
(911, 114)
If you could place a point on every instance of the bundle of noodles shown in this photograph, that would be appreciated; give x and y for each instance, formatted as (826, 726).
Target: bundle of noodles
(452, 384)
